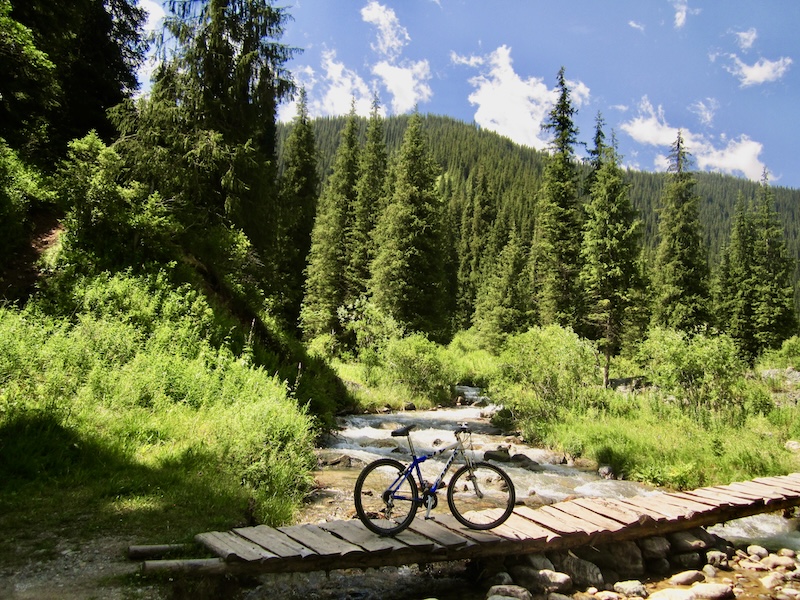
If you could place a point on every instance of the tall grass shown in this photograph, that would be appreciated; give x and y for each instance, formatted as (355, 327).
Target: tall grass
(144, 402)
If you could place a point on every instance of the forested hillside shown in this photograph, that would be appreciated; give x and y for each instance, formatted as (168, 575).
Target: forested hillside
(515, 173)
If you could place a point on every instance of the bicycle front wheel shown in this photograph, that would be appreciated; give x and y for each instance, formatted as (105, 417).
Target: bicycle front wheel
(481, 496)
(385, 499)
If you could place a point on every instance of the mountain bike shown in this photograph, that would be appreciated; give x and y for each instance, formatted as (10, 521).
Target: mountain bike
(388, 493)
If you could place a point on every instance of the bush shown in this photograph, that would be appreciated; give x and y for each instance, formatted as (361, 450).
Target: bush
(414, 362)
(702, 371)
(787, 356)
(544, 371)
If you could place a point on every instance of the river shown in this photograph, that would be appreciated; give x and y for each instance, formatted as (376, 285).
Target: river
(545, 479)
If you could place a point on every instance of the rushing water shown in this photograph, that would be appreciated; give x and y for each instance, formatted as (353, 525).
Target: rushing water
(363, 438)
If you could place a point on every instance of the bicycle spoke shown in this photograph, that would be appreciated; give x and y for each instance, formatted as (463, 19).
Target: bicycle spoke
(384, 504)
(481, 489)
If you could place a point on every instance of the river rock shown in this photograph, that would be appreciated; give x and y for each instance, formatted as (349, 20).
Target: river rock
(747, 563)
(658, 566)
(687, 578)
(509, 591)
(524, 461)
(685, 541)
(654, 547)
(499, 455)
(607, 595)
(541, 580)
(687, 560)
(500, 578)
(759, 551)
(631, 588)
(772, 580)
(711, 591)
(773, 561)
(583, 573)
(717, 558)
(623, 557)
(539, 561)
(557, 596)
(672, 594)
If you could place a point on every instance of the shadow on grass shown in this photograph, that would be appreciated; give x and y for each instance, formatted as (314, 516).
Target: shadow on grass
(52, 476)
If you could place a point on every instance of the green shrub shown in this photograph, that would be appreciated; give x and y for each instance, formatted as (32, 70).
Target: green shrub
(544, 371)
(787, 356)
(414, 362)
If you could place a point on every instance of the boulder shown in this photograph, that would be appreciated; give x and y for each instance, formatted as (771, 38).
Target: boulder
(773, 561)
(759, 551)
(687, 578)
(686, 541)
(673, 594)
(632, 588)
(509, 591)
(539, 561)
(499, 455)
(711, 591)
(654, 547)
(687, 560)
(623, 557)
(583, 573)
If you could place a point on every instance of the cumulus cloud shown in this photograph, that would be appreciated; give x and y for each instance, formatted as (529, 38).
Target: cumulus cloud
(509, 104)
(746, 39)
(331, 92)
(762, 71)
(406, 81)
(682, 11)
(705, 110)
(407, 84)
(737, 156)
(392, 36)
(155, 13)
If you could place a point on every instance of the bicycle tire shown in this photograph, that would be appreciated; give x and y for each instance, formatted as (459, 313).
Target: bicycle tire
(370, 497)
(496, 503)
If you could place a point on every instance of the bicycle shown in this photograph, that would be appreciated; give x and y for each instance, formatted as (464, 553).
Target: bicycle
(388, 493)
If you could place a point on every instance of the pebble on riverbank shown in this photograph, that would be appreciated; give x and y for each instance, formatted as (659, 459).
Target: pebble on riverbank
(700, 566)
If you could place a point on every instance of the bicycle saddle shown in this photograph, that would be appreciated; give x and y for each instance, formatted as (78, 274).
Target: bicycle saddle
(403, 431)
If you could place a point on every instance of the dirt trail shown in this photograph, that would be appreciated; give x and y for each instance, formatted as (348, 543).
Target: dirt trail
(18, 279)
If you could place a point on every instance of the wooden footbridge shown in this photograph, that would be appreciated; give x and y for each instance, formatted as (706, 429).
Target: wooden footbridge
(568, 524)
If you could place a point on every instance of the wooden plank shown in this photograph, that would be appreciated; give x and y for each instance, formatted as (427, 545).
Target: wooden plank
(484, 537)
(275, 541)
(692, 506)
(516, 528)
(580, 525)
(707, 502)
(551, 522)
(793, 477)
(320, 541)
(614, 510)
(764, 491)
(722, 496)
(783, 482)
(231, 547)
(578, 511)
(355, 533)
(439, 534)
(657, 511)
(416, 541)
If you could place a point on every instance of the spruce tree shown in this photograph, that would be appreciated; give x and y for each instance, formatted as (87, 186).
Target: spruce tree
(299, 193)
(611, 245)
(499, 306)
(326, 280)
(773, 314)
(370, 194)
(681, 270)
(556, 250)
(408, 279)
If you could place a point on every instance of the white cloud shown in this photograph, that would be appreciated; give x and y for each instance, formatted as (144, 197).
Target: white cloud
(738, 156)
(507, 103)
(406, 81)
(682, 11)
(392, 36)
(469, 61)
(155, 13)
(705, 110)
(636, 25)
(746, 39)
(407, 84)
(330, 93)
(762, 71)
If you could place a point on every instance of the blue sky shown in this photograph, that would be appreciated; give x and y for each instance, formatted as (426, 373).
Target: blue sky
(723, 72)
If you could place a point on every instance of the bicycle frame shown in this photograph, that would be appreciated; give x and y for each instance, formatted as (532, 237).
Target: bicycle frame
(413, 468)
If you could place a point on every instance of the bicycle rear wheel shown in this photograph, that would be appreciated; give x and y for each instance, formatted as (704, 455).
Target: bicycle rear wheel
(386, 501)
(481, 496)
